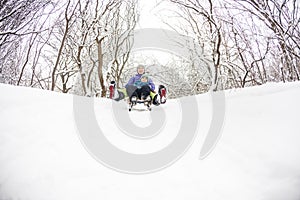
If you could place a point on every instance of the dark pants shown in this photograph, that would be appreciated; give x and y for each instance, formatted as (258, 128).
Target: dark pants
(138, 92)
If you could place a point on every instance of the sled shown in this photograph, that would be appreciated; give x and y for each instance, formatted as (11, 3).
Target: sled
(146, 102)
(162, 91)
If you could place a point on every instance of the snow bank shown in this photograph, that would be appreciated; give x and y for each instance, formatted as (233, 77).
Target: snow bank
(257, 157)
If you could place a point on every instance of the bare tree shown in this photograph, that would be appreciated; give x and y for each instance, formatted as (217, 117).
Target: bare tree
(107, 22)
(123, 24)
(282, 18)
(19, 24)
(245, 38)
(203, 12)
(248, 48)
(69, 14)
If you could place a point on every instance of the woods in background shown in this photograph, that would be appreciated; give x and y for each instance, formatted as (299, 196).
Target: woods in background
(53, 45)
(77, 46)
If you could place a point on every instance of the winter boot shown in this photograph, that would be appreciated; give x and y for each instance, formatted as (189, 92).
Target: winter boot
(112, 89)
(114, 93)
(163, 94)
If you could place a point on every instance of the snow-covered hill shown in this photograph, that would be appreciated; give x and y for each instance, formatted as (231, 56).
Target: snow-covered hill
(257, 157)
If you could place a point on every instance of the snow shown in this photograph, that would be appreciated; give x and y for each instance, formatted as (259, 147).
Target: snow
(257, 156)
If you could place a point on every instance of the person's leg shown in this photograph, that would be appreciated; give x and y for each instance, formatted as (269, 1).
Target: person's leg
(120, 94)
(131, 90)
(144, 92)
(155, 98)
(162, 93)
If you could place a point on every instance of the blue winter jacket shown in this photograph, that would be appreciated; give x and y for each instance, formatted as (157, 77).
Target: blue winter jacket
(136, 78)
(140, 84)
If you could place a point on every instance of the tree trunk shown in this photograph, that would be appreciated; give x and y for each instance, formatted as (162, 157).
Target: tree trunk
(53, 76)
(100, 67)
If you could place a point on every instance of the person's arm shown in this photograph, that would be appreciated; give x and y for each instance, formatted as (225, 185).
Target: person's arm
(151, 84)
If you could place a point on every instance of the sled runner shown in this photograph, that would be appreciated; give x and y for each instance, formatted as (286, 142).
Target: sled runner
(134, 101)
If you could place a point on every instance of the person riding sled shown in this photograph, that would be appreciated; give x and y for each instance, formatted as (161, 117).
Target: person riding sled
(140, 86)
(140, 89)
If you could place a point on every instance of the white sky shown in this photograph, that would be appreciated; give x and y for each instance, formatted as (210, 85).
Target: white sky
(150, 12)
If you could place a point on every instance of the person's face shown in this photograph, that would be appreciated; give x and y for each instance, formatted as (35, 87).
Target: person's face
(141, 70)
(144, 79)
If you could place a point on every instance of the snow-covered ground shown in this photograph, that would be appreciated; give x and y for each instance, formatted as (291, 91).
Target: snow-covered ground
(257, 157)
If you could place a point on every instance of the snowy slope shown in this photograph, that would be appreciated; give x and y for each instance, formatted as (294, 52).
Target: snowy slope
(257, 156)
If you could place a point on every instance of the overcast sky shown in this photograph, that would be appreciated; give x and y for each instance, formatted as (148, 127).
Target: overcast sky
(149, 14)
